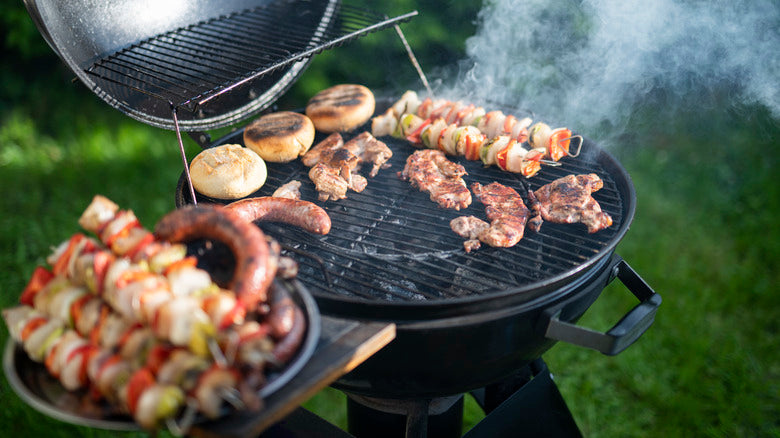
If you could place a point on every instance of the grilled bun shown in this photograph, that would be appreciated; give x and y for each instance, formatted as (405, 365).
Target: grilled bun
(341, 108)
(280, 137)
(229, 171)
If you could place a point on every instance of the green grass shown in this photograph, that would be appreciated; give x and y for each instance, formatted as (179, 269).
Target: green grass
(705, 237)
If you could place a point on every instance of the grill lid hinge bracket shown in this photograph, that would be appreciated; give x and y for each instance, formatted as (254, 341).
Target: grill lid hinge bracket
(203, 139)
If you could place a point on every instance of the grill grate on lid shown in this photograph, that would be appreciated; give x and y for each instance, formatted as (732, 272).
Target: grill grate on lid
(191, 66)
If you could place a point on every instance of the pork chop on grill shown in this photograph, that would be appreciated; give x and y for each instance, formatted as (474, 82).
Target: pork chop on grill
(568, 200)
(430, 171)
(507, 214)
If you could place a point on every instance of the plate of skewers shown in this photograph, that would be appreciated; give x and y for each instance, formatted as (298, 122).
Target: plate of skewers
(127, 328)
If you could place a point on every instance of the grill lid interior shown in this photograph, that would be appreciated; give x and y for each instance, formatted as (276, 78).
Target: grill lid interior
(215, 62)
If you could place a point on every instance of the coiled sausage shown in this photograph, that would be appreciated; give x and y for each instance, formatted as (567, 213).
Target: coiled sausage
(255, 266)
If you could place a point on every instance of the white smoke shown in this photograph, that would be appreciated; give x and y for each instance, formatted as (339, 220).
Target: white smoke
(590, 64)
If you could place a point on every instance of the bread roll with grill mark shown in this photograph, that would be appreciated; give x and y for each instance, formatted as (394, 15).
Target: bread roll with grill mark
(229, 171)
(341, 108)
(280, 137)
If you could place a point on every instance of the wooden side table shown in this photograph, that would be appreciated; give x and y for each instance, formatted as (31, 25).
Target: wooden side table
(343, 345)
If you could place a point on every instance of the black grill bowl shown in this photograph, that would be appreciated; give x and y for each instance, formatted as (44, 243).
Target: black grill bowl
(463, 319)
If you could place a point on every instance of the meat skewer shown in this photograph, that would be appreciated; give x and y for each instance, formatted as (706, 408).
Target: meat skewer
(255, 266)
(86, 343)
(190, 312)
(491, 124)
(110, 293)
(152, 392)
(95, 320)
(469, 131)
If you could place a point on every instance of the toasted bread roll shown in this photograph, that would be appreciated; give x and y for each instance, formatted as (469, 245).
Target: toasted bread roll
(341, 108)
(229, 171)
(280, 137)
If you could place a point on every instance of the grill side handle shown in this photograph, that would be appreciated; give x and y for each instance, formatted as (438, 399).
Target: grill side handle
(622, 334)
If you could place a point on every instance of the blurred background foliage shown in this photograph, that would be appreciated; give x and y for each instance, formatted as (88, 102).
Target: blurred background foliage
(706, 235)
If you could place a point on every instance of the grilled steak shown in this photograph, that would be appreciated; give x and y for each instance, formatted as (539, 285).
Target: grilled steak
(430, 171)
(568, 200)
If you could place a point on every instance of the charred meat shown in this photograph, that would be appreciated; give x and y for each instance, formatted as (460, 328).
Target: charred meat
(335, 165)
(430, 171)
(568, 200)
(470, 228)
(370, 150)
(506, 211)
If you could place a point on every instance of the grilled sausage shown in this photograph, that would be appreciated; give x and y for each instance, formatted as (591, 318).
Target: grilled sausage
(287, 347)
(255, 267)
(304, 214)
(281, 313)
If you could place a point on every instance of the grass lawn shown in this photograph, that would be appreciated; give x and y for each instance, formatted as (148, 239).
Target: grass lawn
(705, 237)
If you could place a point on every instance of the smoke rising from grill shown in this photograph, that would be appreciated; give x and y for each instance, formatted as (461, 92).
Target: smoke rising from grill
(590, 65)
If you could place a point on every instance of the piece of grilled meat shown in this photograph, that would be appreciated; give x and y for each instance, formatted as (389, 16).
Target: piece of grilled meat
(370, 150)
(568, 200)
(470, 228)
(506, 211)
(430, 171)
(334, 164)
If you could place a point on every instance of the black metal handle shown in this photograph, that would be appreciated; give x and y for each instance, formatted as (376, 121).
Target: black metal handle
(626, 331)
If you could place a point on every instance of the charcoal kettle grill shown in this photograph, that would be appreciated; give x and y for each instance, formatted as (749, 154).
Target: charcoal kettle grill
(465, 321)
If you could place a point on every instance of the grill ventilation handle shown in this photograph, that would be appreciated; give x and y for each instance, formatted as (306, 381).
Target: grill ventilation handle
(622, 334)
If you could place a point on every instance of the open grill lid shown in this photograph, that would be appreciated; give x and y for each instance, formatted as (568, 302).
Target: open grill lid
(391, 251)
(200, 64)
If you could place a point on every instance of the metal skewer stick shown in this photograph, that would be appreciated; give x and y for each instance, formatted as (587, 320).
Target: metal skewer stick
(413, 58)
(183, 425)
(579, 146)
(216, 353)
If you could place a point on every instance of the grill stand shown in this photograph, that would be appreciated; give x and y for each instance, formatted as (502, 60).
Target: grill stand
(526, 404)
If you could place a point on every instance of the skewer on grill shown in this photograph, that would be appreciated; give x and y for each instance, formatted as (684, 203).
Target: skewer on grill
(470, 131)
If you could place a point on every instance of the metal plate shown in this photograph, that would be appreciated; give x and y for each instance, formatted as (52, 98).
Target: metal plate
(36, 387)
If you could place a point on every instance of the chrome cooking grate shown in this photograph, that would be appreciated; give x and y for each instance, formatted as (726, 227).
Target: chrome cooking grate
(392, 243)
(189, 67)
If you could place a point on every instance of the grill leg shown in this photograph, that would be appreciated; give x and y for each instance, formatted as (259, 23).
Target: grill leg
(381, 418)
(535, 408)
(417, 419)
